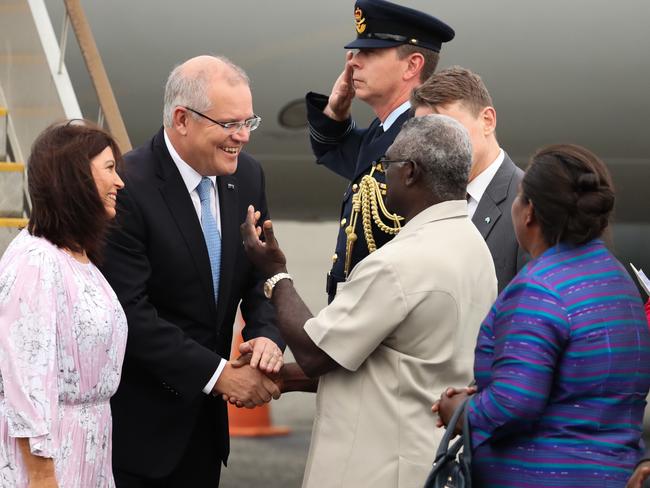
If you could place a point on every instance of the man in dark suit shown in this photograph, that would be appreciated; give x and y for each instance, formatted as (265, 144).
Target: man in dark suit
(494, 179)
(177, 264)
(397, 48)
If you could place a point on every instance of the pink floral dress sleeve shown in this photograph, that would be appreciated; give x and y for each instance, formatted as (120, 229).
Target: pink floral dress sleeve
(29, 300)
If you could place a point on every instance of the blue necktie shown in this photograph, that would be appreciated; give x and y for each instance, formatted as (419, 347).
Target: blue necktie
(210, 232)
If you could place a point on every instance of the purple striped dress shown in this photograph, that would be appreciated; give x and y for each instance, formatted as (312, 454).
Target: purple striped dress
(563, 368)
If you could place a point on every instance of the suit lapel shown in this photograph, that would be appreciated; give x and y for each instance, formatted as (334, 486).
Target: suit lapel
(179, 204)
(230, 237)
(486, 215)
(489, 208)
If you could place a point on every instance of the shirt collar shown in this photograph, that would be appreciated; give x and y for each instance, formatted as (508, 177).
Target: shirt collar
(392, 117)
(476, 188)
(444, 210)
(190, 176)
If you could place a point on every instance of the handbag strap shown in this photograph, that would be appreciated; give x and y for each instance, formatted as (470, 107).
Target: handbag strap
(467, 435)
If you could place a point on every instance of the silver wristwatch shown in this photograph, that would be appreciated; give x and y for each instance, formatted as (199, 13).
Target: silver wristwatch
(272, 281)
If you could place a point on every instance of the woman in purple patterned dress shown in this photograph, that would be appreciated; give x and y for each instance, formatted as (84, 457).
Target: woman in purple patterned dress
(562, 363)
(62, 329)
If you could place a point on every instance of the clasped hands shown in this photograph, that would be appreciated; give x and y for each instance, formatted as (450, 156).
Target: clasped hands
(450, 400)
(253, 378)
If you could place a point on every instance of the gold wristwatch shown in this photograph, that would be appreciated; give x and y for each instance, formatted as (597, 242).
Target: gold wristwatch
(272, 281)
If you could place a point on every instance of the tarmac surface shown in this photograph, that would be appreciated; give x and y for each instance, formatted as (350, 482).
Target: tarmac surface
(275, 462)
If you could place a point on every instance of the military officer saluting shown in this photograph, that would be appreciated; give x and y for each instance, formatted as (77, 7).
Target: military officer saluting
(396, 49)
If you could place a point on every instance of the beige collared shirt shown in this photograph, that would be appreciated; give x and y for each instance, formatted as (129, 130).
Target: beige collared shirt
(403, 327)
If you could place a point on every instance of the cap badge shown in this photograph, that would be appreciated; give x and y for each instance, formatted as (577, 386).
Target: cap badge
(359, 20)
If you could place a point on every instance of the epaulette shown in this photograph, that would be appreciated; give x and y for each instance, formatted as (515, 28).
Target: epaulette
(368, 200)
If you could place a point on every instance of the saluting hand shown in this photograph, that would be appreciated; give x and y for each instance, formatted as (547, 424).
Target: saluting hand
(265, 255)
(340, 101)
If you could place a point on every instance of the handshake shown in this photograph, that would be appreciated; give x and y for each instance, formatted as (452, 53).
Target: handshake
(254, 378)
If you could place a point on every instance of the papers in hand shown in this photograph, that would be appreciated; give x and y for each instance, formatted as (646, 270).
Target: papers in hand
(643, 279)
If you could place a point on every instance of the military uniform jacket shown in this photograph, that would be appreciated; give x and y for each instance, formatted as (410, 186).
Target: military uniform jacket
(349, 152)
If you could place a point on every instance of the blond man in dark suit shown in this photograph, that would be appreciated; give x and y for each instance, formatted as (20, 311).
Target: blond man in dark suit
(493, 178)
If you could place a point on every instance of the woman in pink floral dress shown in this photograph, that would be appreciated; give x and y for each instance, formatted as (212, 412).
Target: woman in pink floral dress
(62, 329)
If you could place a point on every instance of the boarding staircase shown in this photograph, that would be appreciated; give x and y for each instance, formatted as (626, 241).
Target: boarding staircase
(36, 91)
(12, 193)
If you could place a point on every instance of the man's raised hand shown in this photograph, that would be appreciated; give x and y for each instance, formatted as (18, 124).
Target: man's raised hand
(340, 101)
(265, 254)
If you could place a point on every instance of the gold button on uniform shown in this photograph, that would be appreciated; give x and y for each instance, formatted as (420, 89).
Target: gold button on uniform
(355, 188)
(344, 221)
(335, 258)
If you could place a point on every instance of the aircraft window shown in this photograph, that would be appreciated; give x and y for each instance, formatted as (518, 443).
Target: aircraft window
(293, 115)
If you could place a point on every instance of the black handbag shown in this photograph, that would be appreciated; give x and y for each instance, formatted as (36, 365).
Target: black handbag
(451, 468)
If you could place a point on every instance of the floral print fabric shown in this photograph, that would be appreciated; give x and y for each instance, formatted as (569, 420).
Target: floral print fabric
(62, 339)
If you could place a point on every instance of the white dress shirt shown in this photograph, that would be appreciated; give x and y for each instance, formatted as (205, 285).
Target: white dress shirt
(192, 179)
(476, 188)
(392, 117)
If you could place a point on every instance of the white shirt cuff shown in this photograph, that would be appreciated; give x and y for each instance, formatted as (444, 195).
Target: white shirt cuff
(213, 381)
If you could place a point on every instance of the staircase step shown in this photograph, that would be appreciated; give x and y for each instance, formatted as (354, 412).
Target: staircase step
(12, 167)
(12, 179)
(13, 222)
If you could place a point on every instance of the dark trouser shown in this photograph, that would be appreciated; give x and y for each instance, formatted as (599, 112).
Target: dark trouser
(180, 478)
(199, 467)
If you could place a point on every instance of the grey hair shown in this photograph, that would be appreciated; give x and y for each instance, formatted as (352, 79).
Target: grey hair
(191, 89)
(442, 148)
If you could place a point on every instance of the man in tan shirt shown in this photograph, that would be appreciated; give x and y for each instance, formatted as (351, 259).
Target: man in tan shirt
(402, 327)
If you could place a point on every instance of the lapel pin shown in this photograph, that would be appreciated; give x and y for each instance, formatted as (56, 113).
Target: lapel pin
(487, 220)
(231, 186)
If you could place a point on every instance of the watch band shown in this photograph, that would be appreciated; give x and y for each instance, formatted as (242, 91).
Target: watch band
(272, 281)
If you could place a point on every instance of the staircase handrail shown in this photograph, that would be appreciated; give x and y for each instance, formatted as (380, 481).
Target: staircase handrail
(109, 110)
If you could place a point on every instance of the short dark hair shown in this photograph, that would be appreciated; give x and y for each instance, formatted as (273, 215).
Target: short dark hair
(66, 207)
(571, 191)
(430, 58)
(454, 84)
